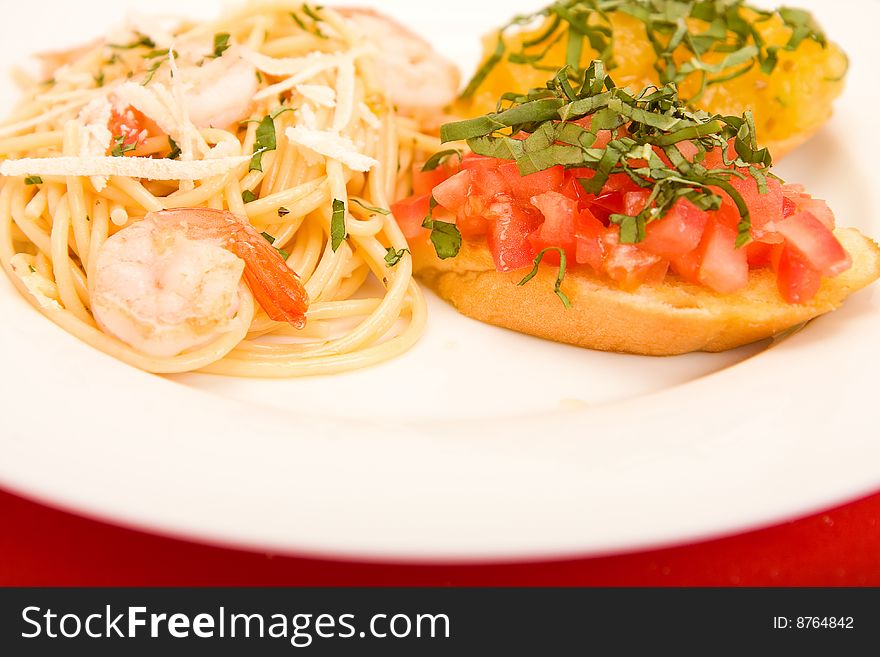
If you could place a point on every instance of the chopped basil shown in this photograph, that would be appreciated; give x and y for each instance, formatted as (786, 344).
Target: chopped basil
(445, 236)
(283, 212)
(248, 196)
(271, 239)
(393, 256)
(121, 148)
(221, 44)
(265, 141)
(33, 180)
(557, 288)
(32, 269)
(174, 153)
(654, 119)
(314, 17)
(370, 208)
(99, 78)
(437, 159)
(151, 71)
(337, 224)
(142, 41)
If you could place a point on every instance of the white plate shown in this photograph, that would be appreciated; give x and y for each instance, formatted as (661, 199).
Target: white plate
(479, 443)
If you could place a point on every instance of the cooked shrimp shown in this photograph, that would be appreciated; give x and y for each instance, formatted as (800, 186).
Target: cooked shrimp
(171, 282)
(219, 93)
(414, 75)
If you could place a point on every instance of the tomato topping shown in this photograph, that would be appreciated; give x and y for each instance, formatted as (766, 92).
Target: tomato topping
(453, 193)
(129, 129)
(815, 243)
(590, 247)
(629, 265)
(560, 215)
(676, 234)
(524, 188)
(410, 213)
(797, 281)
(424, 182)
(760, 254)
(723, 267)
(510, 226)
(519, 216)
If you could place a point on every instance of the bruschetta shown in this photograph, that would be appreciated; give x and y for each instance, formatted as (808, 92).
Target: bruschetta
(626, 222)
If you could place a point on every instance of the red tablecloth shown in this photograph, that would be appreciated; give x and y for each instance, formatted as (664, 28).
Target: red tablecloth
(43, 546)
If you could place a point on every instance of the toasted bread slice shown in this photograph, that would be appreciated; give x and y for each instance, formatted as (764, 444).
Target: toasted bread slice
(657, 320)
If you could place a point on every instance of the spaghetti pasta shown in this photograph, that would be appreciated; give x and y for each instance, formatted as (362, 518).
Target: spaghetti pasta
(272, 112)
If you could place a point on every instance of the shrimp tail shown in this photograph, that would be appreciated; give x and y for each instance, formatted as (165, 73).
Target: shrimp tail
(275, 286)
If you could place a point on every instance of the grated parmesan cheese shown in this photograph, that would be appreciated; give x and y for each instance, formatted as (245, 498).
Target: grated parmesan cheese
(131, 167)
(319, 94)
(95, 136)
(42, 289)
(332, 145)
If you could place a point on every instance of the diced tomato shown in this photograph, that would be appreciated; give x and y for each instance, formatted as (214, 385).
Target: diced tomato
(523, 188)
(590, 248)
(474, 161)
(472, 226)
(629, 265)
(410, 213)
(424, 182)
(763, 208)
(560, 214)
(132, 126)
(453, 192)
(522, 215)
(511, 223)
(487, 183)
(688, 267)
(619, 182)
(723, 267)
(635, 202)
(760, 254)
(605, 205)
(815, 243)
(797, 281)
(676, 234)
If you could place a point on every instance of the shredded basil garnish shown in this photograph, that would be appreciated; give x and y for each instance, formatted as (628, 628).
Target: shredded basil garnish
(557, 288)
(121, 148)
(248, 196)
(731, 33)
(221, 44)
(271, 239)
(314, 17)
(640, 124)
(370, 208)
(393, 256)
(337, 224)
(265, 141)
(283, 212)
(437, 159)
(445, 236)
(33, 180)
(174, 153)
(142, 41)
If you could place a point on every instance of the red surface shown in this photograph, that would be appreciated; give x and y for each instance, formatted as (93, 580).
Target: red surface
(43, 546)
